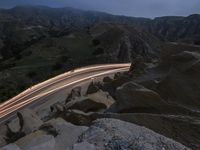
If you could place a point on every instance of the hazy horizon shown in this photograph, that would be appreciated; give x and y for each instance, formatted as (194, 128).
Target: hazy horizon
(134, 8)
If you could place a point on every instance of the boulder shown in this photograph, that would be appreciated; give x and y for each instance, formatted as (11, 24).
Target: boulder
(85, 104)
(3, 135)
(37, 141)
(14, 125)
(57, 107)
(181, 84)
(182, 128)
(132, 97)
(46, 142)
(84, 146)
(93, 102)
(186, 61)
(107, 79)
(76, 92)
(112, 134)
(67, 133)
(102, 97)
(29, 121)
(4, 130)
(93, 88)
(137, 66)
(78, 117)
(10, 147)
(2, 141)
(181, 88)
(117, 75)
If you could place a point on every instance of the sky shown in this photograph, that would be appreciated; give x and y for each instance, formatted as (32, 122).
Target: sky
(136, 8)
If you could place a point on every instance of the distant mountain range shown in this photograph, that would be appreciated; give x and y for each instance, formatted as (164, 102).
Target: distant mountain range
(26, 24)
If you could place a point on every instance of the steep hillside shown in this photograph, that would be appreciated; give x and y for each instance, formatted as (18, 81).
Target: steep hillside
(33, 23)
(122, 43)
(177, 29)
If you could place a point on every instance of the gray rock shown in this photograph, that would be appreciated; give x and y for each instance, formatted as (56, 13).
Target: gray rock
(67, 133)
(181, 83)
(92, 88)
(37, 141)
(186, 61)
(3, 130)
(132, 96)
(10, 147)
(78, 117)
(93, 102)
(107, 79)
(57, 107)
(3, 135)
(112, 134)
(137, 65)
(76, 92)
(85, 104)
(84, 146)
(14, 125)
(2, 141)
(29, 121)
(102, 97)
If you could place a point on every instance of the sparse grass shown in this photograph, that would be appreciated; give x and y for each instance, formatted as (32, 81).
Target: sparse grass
(42, 58)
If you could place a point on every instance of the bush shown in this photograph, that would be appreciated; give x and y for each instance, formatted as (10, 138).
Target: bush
(95, 42)
(98, 51)
(31, 74)
(18, 57)
(57, 66)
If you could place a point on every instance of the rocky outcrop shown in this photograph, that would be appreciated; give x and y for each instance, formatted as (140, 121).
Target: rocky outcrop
(78, 117)
(26, 122)
(98, 101)
(55, 134)
(29, 121)
(102, 97)
(122, 43)
(132, 97)
(67, 133)
(179, 29)
(111, 134)
(14, 125)
(76, 92)
(183, 77)
(107, 80)
(36, 141)
(92, 88)
(10, 147)
(2, 141)
(3, 135)
(57, 108)
(85, 104)
(84, 146)
(186, 61)
(182, 128)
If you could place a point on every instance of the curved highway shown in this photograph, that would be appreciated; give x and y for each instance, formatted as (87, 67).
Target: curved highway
(52, 86)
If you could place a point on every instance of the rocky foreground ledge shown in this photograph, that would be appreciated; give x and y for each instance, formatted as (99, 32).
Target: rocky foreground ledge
(85, 122)
(103, 134)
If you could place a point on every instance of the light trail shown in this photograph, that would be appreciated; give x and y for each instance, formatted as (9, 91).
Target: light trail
(56, 79)
(56, 84)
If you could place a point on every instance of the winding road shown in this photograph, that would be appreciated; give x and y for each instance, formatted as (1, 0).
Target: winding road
(34, 95)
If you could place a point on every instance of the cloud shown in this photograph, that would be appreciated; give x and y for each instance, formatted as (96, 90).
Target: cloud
(142, 8)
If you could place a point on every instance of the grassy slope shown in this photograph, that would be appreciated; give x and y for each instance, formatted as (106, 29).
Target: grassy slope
(47, 58)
